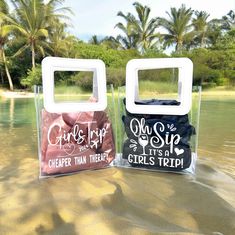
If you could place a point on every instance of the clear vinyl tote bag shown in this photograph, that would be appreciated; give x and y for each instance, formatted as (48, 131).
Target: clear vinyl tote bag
(159, 134)
(73, 136)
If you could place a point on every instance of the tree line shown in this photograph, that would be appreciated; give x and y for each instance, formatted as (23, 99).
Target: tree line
(34, 29)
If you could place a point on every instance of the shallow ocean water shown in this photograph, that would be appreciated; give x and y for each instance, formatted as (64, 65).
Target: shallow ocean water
(117, 201)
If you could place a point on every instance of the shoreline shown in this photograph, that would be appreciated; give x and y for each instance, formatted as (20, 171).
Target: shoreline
(218, 93)
(16, 94)
(25, 94)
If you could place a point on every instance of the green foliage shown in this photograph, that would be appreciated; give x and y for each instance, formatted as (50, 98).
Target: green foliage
(226, 42)
(112, 58)
(84, 80)
(230, 75)
(153, 53)
(157, 87)
(116, 76)
(64, 89)
(166, 75)
(211, 66)
(221, 81)
(33, 77)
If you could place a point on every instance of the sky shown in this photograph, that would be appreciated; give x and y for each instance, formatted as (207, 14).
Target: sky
(99, 17)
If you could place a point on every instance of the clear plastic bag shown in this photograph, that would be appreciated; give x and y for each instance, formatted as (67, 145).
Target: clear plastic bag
(159, 134)
(74, 136)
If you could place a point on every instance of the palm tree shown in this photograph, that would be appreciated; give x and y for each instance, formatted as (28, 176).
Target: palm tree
(94, 40)
(130, 38)
(145, 27)
(139, 32)
(32, 20)
(229, 20)
(214, 31)
(200, 25)
(70, 42)
(110, 42)
(5, 30)
(57, 38)
(178, 27)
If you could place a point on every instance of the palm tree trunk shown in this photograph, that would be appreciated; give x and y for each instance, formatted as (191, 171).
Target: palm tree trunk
(178, 47)
(7, 71)
(203, 40)
(33, 55)
(2, 79)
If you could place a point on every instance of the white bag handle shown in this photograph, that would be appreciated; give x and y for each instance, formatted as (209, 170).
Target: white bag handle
(52, 64)
(185, 79)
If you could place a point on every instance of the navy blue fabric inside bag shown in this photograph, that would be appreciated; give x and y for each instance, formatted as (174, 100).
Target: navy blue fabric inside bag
(158, 141)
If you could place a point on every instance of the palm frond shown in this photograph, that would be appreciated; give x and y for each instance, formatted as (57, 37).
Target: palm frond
(20, 51)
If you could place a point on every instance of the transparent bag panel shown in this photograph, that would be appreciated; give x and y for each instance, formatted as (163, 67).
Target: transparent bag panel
(158, 142)
(70, 142)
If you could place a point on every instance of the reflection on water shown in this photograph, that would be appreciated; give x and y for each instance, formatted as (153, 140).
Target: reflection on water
(18, 136)
(115, 201)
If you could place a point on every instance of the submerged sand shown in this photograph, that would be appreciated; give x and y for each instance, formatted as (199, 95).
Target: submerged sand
(115, 201)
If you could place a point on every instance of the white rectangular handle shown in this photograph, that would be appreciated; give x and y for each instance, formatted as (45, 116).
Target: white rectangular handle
(52, 64)
(185, 74)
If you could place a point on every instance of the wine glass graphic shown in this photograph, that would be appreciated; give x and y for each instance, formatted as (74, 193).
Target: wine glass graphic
(143, 141)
